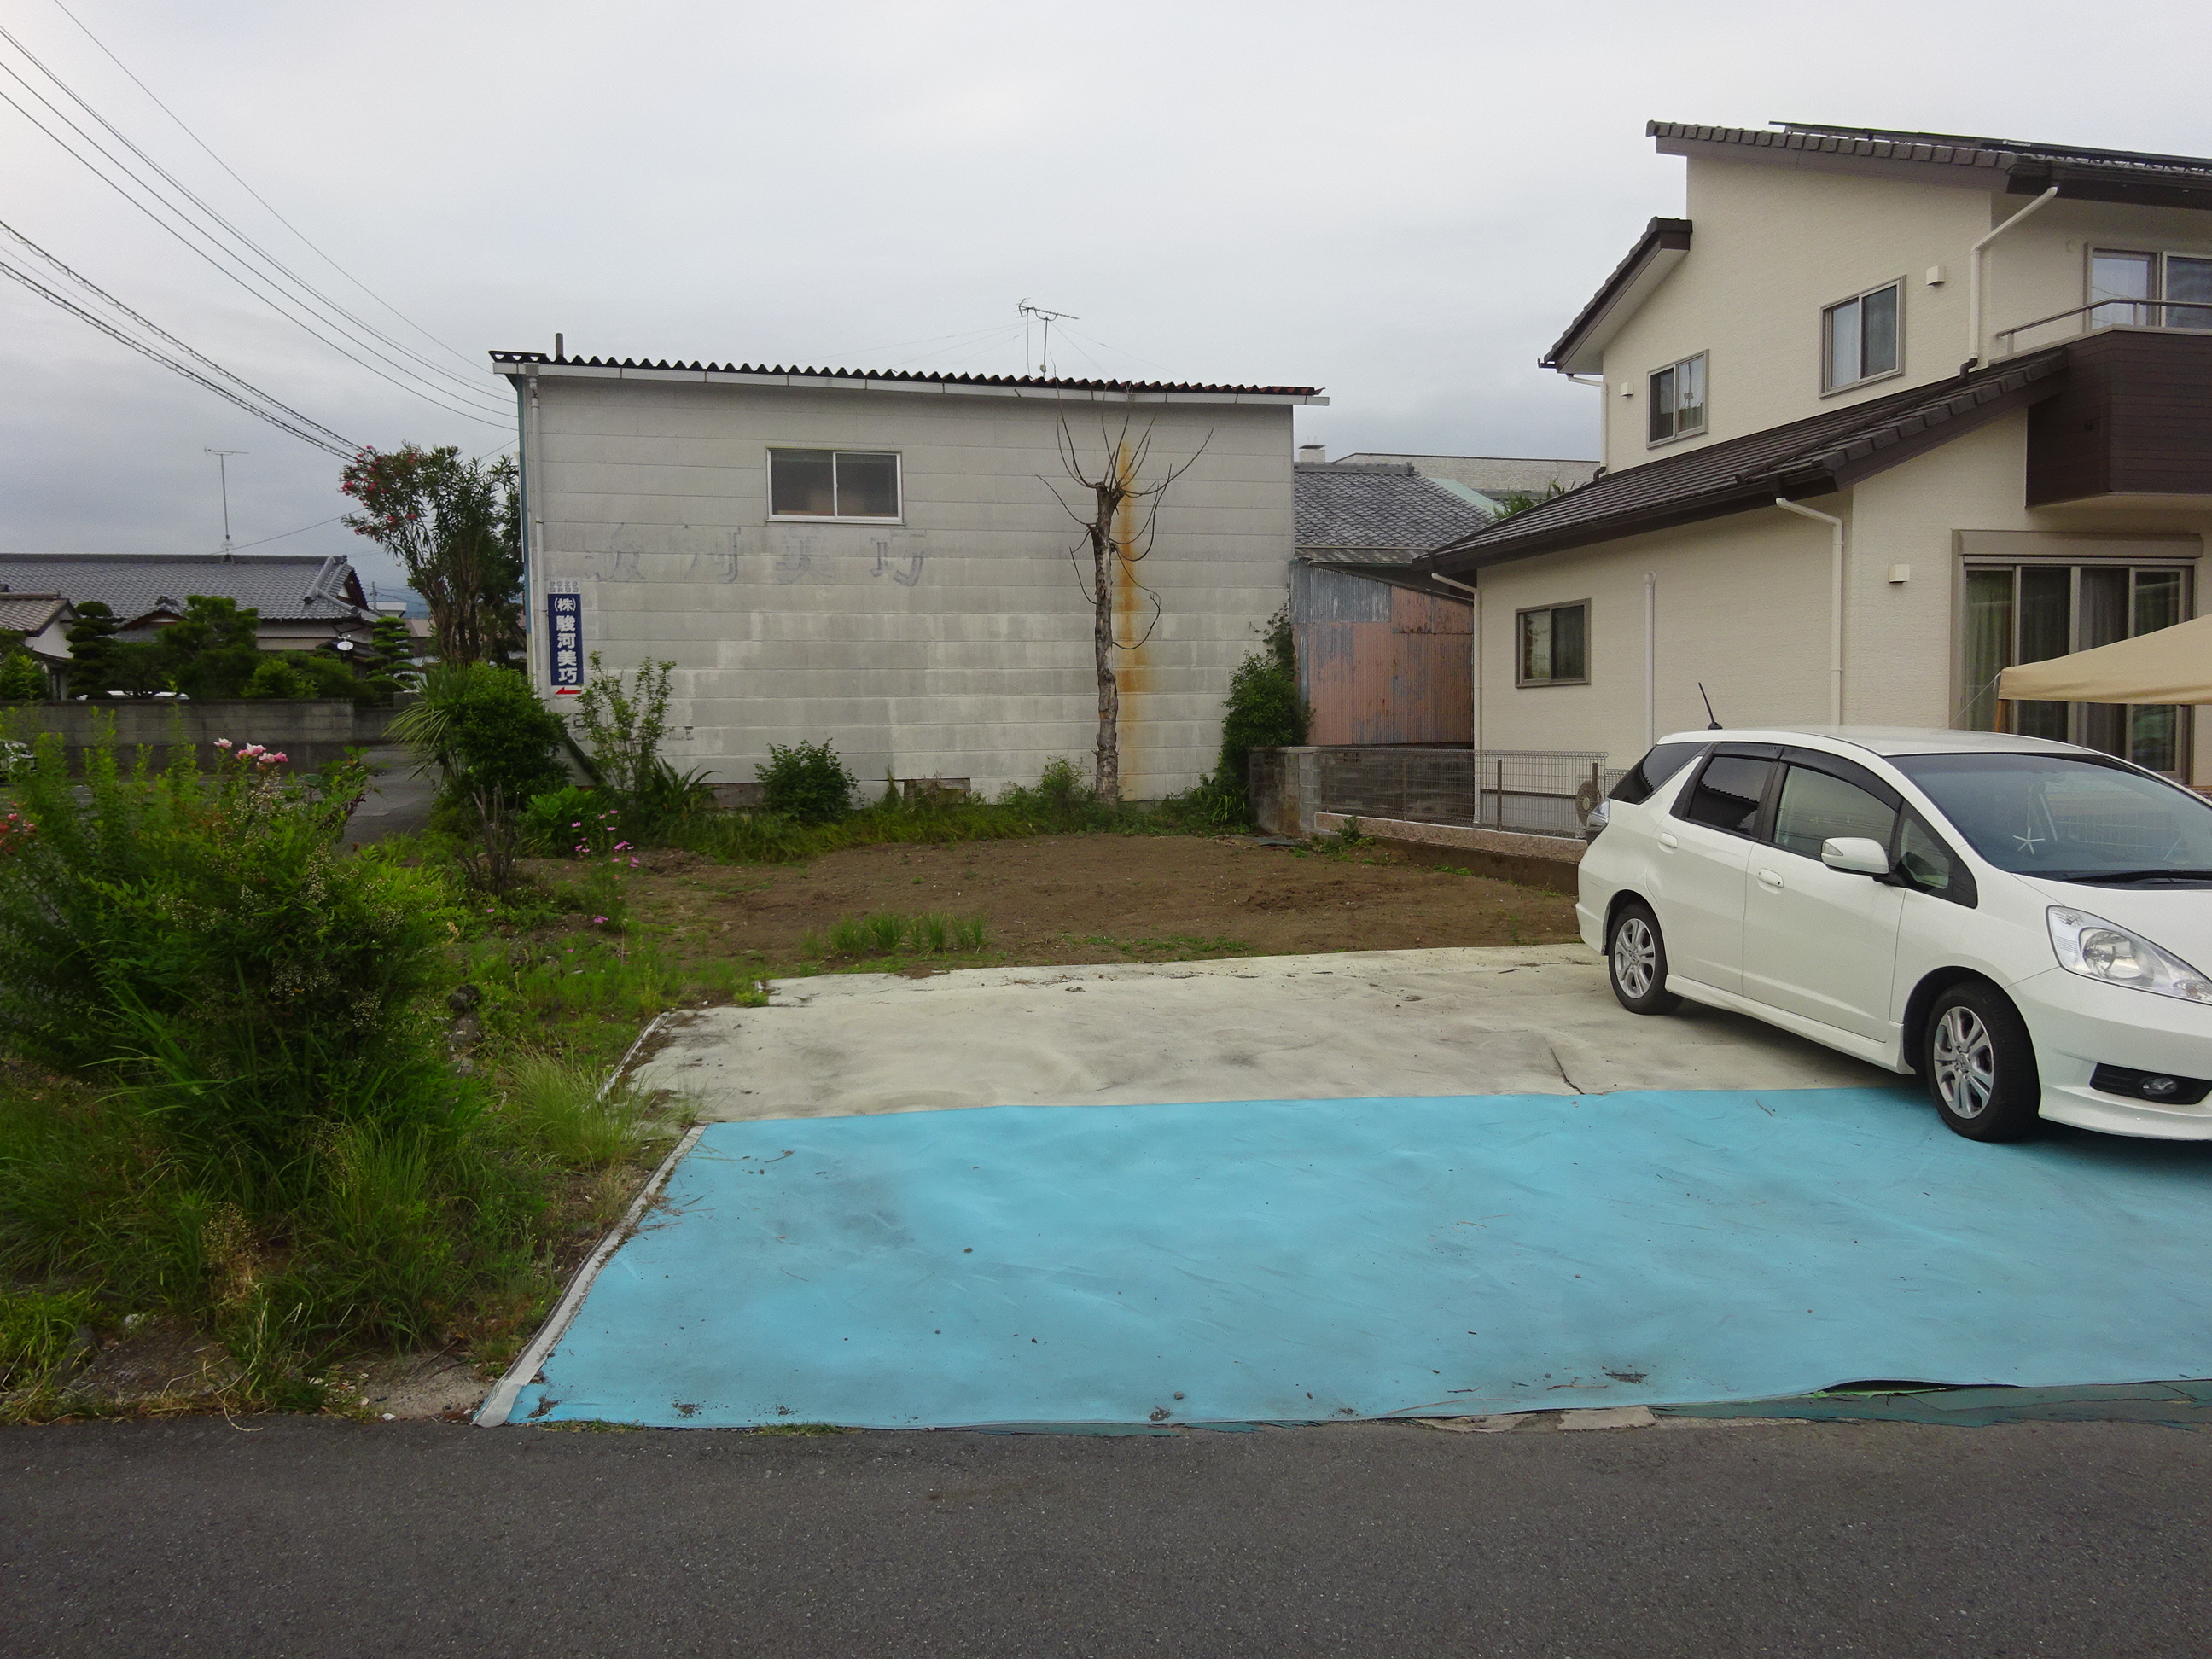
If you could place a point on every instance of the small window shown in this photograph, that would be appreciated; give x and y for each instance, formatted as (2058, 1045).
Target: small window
(1858, 338)
(1678, 399)
(1728, 793)
(832, 483)
(1816, 808)
(1648, 776)
(1554, 646)
(1926, 863)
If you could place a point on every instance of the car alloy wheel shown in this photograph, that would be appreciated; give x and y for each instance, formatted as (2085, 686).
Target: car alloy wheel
(1635, 957)
(1965, 1062)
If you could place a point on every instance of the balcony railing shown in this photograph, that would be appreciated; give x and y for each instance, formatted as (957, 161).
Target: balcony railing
(2118, 313)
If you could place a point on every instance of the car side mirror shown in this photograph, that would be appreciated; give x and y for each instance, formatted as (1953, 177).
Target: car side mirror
(1856, 855)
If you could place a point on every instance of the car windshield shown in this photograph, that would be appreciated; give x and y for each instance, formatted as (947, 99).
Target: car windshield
(2067, 818)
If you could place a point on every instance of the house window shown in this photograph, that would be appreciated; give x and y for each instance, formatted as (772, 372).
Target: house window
(1678, 399)
(2031, 611)
(1554, 646)
(832, 483)
(1858, 338)
(2150, 290)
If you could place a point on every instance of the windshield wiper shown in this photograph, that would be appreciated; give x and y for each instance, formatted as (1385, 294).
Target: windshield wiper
(2101, 876)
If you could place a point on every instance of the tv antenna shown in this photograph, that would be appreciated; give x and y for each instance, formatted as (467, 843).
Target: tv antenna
(1028, 314)
(1712, 721)
(222, 477)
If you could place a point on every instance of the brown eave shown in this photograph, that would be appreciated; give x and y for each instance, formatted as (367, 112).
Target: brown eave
(1663, 242)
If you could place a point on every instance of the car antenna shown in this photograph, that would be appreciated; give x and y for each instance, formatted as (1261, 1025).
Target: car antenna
(1713, 724)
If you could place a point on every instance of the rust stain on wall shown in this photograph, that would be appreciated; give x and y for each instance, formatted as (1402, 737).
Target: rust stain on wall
(1133, 620)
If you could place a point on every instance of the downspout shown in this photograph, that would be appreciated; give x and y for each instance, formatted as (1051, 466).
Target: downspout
(1974, 277)
(1650, 658)
(533, 549)
(1473, 659)
(1835, 604)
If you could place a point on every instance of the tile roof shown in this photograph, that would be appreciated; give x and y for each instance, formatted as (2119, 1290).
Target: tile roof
(1811, 457)
(508, 362)
(28, 613)
(2023, 167)
(283, 587)
(1375, 514)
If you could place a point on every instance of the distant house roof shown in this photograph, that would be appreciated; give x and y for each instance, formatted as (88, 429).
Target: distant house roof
(284, 587)
(522, 364)
(1812, 457)
(29, 614)
(1375, 521)
(1491, 475)
(2015, 167)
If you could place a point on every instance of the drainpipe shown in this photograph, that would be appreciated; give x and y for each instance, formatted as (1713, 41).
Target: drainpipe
(1474, 662)
(1835, 604)
(533, 537)
(1974, 277)
(1650, 658)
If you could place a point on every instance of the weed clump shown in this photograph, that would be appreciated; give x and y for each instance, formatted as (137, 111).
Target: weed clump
(886, 933)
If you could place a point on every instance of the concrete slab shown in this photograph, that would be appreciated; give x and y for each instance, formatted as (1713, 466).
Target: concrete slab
(1501, 1020)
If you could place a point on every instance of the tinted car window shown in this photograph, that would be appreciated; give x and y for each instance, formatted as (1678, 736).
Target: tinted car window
(1644, 778)
(1924, 862)
(1728, 792)
(1815, 807)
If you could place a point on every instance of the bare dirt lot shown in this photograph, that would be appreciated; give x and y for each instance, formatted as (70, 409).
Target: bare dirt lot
(1089, 898)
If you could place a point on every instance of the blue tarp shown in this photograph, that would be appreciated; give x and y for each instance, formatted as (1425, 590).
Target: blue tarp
(1272, 1261)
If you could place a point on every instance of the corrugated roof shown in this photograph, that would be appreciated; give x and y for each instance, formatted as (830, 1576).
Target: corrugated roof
(511, 360)
(1804, 458)
(2026, 166)
(283, 587)
(1375, 514)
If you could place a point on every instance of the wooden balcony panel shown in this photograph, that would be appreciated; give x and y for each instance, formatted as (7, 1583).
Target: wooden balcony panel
(2134, 418)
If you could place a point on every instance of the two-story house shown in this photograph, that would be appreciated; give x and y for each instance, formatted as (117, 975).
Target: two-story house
(1883, 413)
(894, 562)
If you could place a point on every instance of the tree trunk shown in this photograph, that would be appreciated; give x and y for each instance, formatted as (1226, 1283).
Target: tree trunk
(1106, 779)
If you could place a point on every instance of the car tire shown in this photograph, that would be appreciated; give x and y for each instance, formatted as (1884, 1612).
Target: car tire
(1636, 961)
(1980, 1064)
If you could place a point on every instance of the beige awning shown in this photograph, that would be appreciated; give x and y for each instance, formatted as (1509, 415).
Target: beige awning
(2174, 665)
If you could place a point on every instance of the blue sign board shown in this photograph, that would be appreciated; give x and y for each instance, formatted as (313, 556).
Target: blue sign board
(564, 613)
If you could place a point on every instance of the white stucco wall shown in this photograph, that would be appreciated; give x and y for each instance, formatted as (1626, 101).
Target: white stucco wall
(1773, 246)
(1742, 604)
(955, 643)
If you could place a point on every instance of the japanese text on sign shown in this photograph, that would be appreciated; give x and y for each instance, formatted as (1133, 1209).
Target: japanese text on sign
(565, 615)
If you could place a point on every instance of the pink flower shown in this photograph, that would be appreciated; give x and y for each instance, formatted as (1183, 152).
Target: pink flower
(222, 743)
(253, 749)
(601, 919)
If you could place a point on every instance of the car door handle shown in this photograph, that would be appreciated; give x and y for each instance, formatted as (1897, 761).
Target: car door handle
(1770, 879)
(1668, 840)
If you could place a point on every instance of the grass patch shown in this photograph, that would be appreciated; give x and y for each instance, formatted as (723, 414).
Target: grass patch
(887, 933)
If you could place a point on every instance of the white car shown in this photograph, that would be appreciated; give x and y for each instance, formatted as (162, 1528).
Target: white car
(2016, 920)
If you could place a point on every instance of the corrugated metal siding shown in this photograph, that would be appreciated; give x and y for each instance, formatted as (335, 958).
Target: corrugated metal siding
(1379, 664)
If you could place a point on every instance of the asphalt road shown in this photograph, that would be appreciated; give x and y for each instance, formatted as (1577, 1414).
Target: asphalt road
(295, 1537)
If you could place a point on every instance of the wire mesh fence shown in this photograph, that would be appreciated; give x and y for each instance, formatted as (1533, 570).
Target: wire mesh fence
(1531, 791)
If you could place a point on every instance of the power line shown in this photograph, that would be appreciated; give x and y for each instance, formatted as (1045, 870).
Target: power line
(169, 362)
(306, 288)
(431, 391)
(160, 333)
(458, 356)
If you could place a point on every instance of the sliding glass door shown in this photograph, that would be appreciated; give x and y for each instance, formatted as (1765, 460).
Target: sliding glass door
(2033, 609)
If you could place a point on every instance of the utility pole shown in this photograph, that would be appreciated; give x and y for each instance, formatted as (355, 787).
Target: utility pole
(223, 475)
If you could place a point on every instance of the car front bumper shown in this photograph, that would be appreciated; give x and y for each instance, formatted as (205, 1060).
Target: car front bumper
(2078, 1024)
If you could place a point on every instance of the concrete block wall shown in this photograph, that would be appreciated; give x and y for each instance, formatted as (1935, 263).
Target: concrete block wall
(954, 643)
(310, 733)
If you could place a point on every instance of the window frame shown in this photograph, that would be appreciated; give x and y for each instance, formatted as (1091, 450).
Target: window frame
(898, 483)
(1705, 408)
(2158, 258)
(1878, 789)
(1520, 656)
(1762, 822)
(1830, 388)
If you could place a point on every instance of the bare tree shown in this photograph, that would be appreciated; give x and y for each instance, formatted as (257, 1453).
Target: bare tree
(1119, 521)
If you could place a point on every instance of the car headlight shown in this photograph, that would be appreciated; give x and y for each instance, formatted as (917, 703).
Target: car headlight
(2095, 949)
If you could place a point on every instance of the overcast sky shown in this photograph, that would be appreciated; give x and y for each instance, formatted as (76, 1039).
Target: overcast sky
(1401, 202)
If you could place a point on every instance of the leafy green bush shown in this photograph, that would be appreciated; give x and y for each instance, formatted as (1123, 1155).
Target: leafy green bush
(276, 678)
(21, 678)
(807, 783)
(1264, 711)
(555, 824)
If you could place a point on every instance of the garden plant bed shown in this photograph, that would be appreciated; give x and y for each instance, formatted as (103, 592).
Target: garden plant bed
(1084, 898)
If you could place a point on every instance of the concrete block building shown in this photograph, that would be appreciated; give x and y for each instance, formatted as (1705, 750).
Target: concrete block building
(882, 562)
